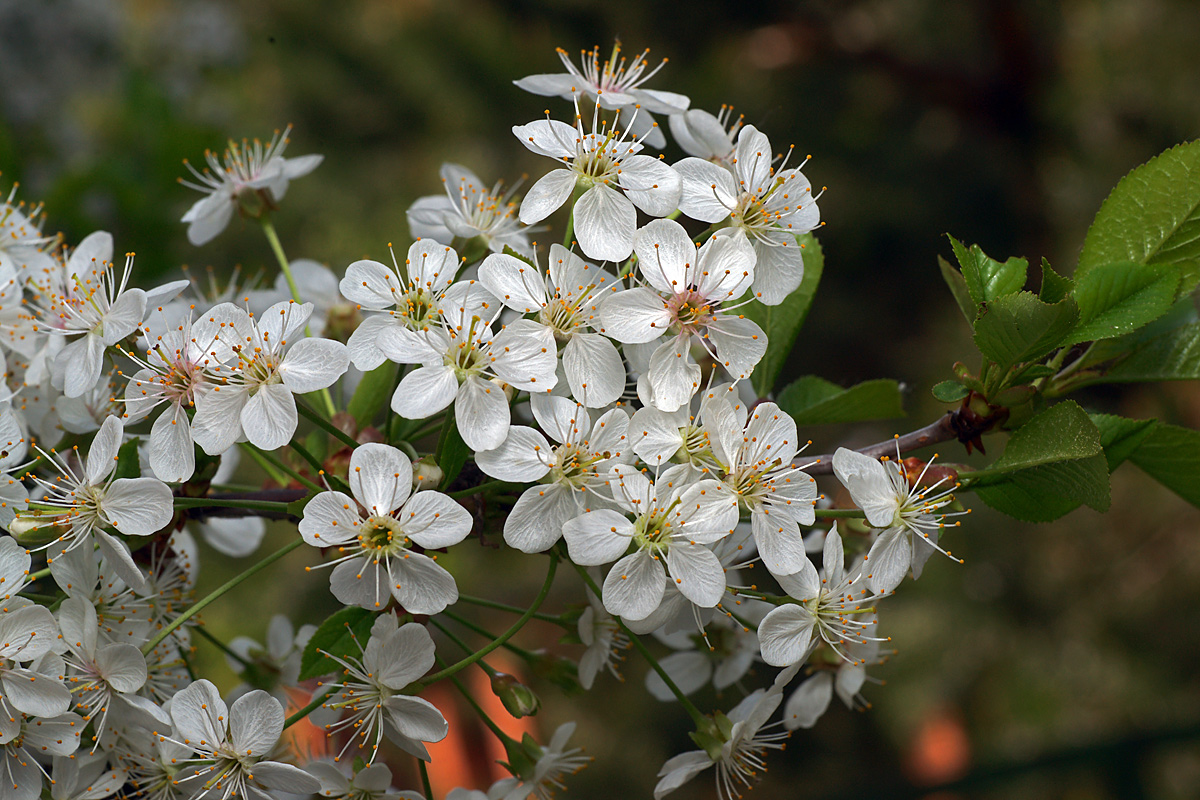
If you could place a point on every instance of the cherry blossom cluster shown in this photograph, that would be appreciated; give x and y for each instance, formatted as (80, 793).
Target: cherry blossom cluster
(599, 385)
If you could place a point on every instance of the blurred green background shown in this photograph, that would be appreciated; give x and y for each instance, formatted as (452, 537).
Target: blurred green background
(1004, 123)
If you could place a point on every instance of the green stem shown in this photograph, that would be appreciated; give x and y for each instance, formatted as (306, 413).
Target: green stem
(443, 438)
(319, 698)
(213, 502)
(277, 469)
(425, 778)
(391, 423)
(482, 601)
(481, 488)
(504, 637)
(224, 648)
(697, 716)
(328, 426)
(485, 633)
(478, 709)
(277, 248)
(466, 648)
(840, 513)
(216, 593)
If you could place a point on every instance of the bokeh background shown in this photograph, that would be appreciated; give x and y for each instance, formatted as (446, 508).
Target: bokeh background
(1060, 660)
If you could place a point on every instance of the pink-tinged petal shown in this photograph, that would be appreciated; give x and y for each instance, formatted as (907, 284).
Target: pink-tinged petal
(481, 413)
(269, 417)
(547, 195)
(330, 518)
(634, 586)
(138, 506)
(597, 537)
(536, 521)
(420, 585)
(380, 477)
(433, 520)
(605, 221)
(524, 456)
(594, 369)
(635, 316)
(313, 364)
(785, 634)
(424, 392)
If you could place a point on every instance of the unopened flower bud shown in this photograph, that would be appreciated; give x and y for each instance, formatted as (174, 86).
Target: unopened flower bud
(426, 474)
(519, 699)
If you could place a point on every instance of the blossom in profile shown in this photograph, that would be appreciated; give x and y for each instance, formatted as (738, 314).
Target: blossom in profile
(613, 83)
(469, 209)
(707, 136)
(248, 168)
(614, 178)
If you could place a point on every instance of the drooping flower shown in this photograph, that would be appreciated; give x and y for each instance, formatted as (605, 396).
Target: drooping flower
(811, 698)
(606, 166)
(910, 515)
(467, 210)
(567, 301)
(249, 168)
(566, 473)
(253, 395)
(615, 83)
(687, 299)
(551, 764)
(369, 693)
(375, 530)
(233, 745)
(673, 527)
(837, 608)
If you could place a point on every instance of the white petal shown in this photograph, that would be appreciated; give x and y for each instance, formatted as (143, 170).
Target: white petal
(868, 483)
(172, 454)
(313, 364)
(597, 537)
(548, 137)
(416, 718)
(380, 477)
(635, 316)
(34, 693)
(753, 158)
(523, 457)
(708, 191)
(634, 586)
(889, 560)
(102, 456)
(433, 520)
(138, 506)
(330, 518)
(604, 224)
(269, 417)
(371, 285)
(808, 702)
(673, 374)
(803, 584)
(424, 392)
(779, 541)
(208, 217)
(360, 582)
(547, 195)
(420, 585)
(536, 521)
(594, 369)
(655, 434)
(688, 670)
(365, 354)
(236, 538)
(778, 271)
(666, 255)
(123, 666)
(653, 186)
(255, 723)
(403, 655)
(481, 413)
(218, 421)
(517, 284)
(431, 264)
(697, 573)
(557, 85)
(199, 715)
(785, 634)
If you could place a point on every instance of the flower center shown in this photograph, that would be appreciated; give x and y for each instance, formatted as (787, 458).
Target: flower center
(383, 535)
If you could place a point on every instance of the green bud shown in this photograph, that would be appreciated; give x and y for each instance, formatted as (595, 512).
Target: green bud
(519, 699)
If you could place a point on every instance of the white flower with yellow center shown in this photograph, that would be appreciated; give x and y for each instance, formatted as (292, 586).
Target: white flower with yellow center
(771, 205)
(375, 530)
(606, 167)
(688, 299)
(566, 300)
(469, 209)
(569, 474)
(252, 395)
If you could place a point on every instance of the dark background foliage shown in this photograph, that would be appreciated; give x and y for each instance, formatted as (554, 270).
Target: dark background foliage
(1004, 123)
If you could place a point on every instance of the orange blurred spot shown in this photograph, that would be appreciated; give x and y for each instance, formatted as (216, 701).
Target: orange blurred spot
(941, 750)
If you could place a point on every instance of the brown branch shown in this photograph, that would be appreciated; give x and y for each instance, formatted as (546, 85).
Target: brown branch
(947, 428)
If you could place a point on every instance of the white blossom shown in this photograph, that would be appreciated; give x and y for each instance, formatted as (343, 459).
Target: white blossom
(707, 136)
(554, 762)
(467, 210)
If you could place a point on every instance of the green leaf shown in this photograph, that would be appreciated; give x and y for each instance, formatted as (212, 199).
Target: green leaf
(1171, 455)
(950, 391)
(1120, 437)
(1172, 356)
(1151, 217)
(781, 323)
(813, 401)
(128, 465)
(958, 288)
(453, 456)
(986, 277)
(1019, 327)
(1051, 464)
(1054, 286)
(1116, 299)
(337, 636)
(373, 393)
